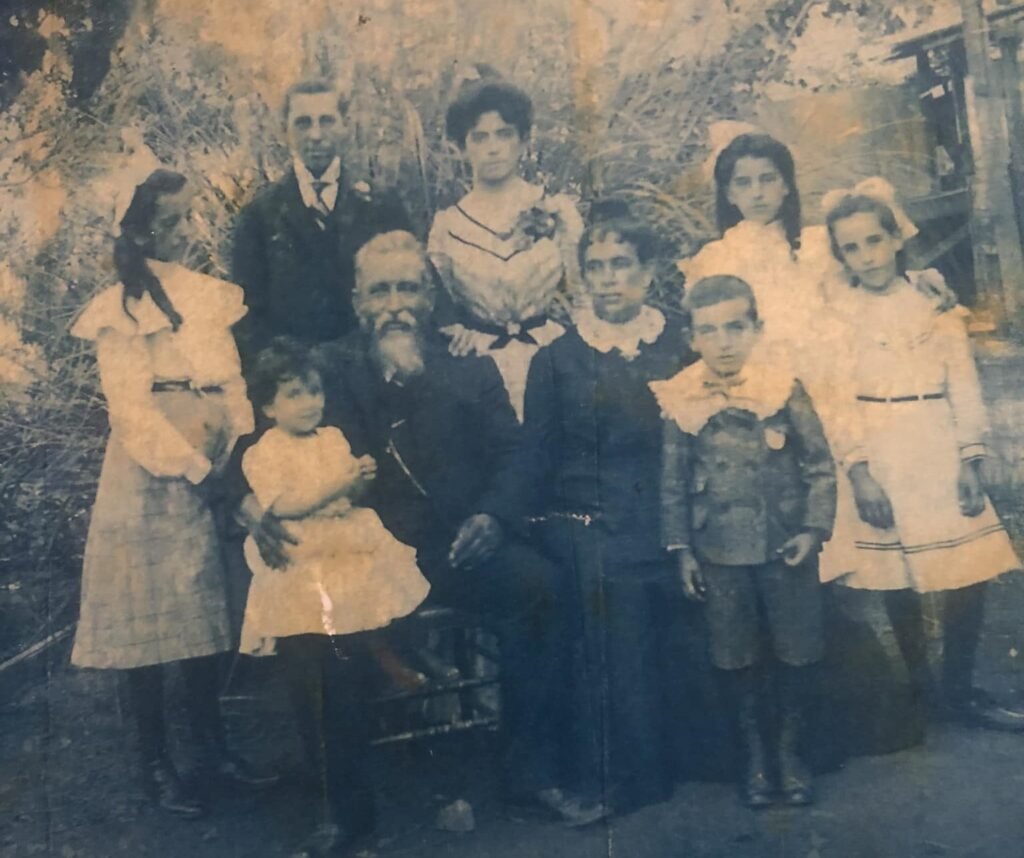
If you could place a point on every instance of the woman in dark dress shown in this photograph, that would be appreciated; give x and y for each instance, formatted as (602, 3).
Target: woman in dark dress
(595, 430)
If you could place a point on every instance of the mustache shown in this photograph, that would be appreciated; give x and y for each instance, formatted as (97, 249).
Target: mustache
(402, 317)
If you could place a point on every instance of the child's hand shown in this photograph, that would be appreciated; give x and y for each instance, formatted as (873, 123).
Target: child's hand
(972, 496)
(366, 468)
(691, 576)
(796, 550)
(873, 504)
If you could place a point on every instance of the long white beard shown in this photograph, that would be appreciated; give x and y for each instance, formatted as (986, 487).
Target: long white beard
(399, 354)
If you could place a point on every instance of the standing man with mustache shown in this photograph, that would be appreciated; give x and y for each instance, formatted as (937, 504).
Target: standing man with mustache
(295, 242)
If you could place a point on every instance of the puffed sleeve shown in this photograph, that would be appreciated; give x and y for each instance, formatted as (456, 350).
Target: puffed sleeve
(264, 471)
(145, 433)
(710, 259)
(963, 386)
(570, 231)
(439, 254)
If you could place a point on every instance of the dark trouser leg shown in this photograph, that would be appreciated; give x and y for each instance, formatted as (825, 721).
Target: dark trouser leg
(202, 689)
(519, 593)
(962, 618)
(744, 691)
(161, 781)
(349, 672)
(904, 610)
(520, 596)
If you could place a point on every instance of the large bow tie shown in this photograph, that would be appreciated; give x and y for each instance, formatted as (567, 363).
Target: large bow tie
(724, 385)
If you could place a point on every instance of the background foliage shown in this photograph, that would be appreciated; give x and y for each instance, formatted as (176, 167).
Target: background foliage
(95, 93)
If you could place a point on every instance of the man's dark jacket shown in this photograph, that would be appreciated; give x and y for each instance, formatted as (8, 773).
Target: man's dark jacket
(298, 278)
(447, 444)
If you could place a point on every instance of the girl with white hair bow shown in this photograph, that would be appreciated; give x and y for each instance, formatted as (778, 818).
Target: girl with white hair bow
(921, 521)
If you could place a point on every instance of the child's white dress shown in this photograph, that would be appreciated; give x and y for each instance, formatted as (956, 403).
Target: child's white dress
(347, 574)
(918, 397)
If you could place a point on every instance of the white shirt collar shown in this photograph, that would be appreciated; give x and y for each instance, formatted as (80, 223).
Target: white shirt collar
(330, 178)
(643, 329)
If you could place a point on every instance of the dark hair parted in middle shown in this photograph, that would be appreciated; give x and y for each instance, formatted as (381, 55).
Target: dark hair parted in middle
(487, 95)
(717, 289)
(612, 219)
(854, 204)
(758, 146)
(283, 360)
(136, 243)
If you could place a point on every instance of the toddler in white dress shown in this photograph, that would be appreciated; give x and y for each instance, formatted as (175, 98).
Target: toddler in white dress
(346, 573)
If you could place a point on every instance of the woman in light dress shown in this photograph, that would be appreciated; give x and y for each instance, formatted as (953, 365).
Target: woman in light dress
(506, 252)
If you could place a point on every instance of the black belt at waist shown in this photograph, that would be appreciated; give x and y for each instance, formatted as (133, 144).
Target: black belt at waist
(183, 385)
(912, 398)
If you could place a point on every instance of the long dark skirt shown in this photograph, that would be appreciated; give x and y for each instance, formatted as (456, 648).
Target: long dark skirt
(641, 698)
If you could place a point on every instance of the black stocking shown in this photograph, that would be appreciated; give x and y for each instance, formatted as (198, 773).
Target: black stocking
(145, 686)
(904, 610)
(962, 618)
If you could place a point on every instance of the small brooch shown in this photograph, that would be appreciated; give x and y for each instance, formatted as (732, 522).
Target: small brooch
(513, 329)
(774, 438)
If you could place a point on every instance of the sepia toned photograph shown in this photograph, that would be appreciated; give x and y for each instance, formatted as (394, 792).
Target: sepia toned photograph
(584, 428)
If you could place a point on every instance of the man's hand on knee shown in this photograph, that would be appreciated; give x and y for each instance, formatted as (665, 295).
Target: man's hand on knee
(477, 539)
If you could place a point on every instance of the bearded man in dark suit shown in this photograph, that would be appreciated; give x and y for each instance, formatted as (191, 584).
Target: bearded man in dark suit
(450, 482)
(295, 242)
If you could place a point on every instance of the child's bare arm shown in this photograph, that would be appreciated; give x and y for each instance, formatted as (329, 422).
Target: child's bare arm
(306, 500)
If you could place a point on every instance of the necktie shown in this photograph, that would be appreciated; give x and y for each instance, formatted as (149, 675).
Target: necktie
(320, 209)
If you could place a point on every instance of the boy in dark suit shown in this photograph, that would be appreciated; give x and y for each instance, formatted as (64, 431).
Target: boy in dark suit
(748, 497)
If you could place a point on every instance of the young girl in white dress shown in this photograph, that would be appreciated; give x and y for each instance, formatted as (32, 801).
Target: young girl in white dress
(346, 573)
(506, 252)
(923, 522)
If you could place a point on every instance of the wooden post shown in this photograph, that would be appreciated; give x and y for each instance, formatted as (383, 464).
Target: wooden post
(998, 261)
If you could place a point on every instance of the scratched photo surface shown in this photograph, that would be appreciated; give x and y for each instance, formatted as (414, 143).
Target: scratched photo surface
(555, 427)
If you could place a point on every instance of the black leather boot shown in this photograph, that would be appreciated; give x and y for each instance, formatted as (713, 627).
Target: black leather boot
(796, 684)
(794, 777)
(754, 784)
(166, 790)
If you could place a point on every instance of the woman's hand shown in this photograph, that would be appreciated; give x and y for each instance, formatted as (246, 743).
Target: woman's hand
(796, 550)
(691, 576)
(873, 504)
(969, 490)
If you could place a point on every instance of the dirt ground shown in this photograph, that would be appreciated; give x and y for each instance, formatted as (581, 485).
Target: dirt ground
(68, 786)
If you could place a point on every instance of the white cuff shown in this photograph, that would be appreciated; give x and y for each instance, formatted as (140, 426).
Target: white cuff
(198, 469)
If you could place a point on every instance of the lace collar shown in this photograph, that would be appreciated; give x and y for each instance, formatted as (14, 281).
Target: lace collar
(695, 395)
(602, 336)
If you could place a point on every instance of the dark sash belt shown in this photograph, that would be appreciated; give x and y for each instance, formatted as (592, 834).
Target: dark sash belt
(184, 385)
(510, 331)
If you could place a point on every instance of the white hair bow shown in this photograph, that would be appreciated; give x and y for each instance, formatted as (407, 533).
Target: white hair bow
(720, 134)
(875, 188)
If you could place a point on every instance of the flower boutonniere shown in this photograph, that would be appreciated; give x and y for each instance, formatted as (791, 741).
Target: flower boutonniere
(535, 224)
